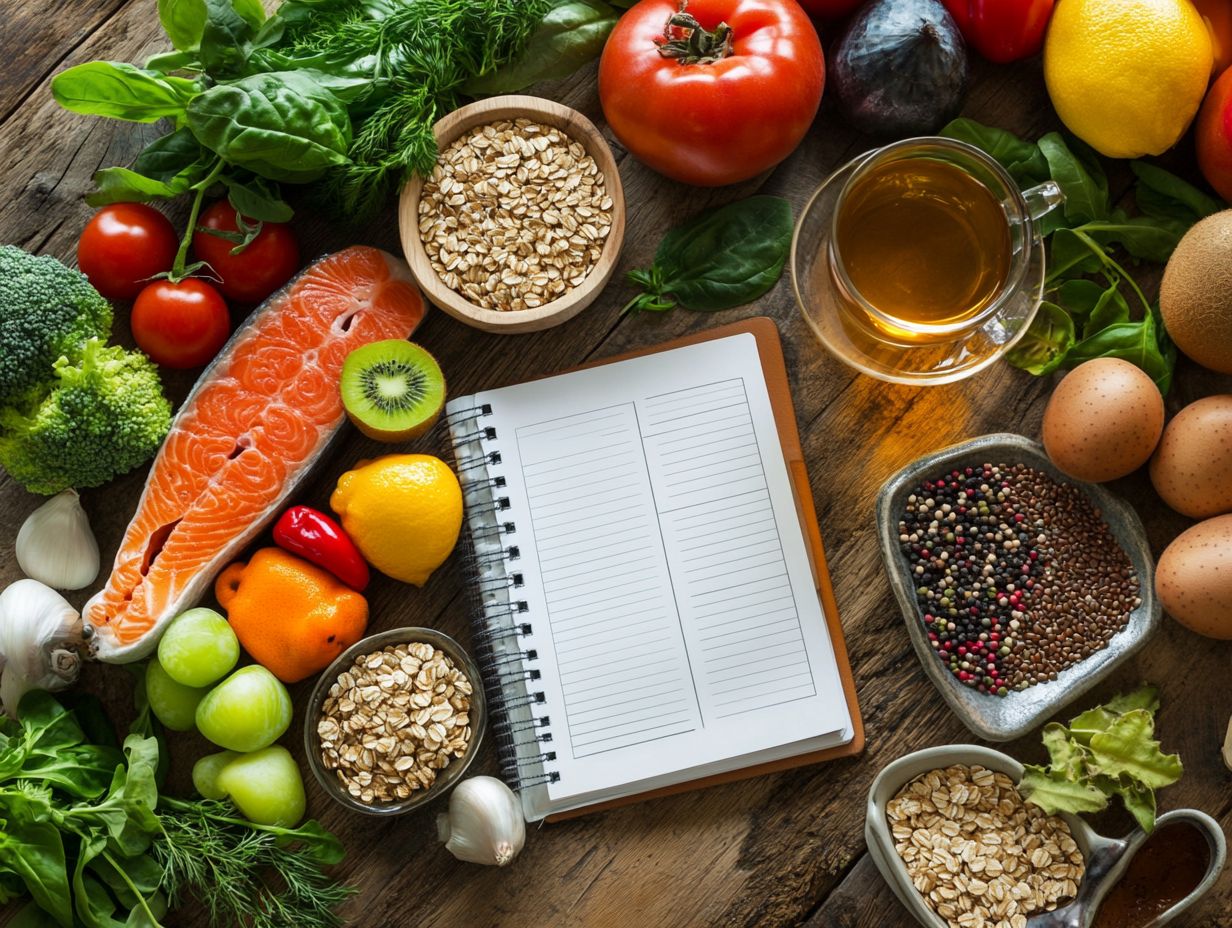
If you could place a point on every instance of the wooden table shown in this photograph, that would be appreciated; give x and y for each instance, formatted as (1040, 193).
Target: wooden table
(776, 851)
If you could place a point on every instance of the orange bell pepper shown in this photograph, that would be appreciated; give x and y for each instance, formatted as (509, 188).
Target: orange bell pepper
(291, 616)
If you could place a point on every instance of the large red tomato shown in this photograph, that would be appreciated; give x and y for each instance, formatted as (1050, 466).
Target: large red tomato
(261, 267)
(723, 107)
(180, 324)
(123, 246)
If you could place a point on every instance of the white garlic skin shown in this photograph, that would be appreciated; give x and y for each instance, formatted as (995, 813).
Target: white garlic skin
(55, 545)
(40, 642)
(484, 824)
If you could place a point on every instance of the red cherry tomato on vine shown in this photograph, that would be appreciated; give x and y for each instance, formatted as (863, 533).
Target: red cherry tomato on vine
(180, 324)
(123, 246)
(735, 104)
(829, 9)
(264, 265)
(1002, 30)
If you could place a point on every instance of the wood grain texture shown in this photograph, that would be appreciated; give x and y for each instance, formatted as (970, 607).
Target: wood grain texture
(777, 851)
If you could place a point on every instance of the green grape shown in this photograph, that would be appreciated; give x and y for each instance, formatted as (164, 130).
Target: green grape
(247, 711)
(198, 648)
(205, 774)
(173, 703)
(266, 786)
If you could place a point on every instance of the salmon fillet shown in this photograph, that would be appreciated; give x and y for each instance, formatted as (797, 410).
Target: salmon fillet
(258, 419)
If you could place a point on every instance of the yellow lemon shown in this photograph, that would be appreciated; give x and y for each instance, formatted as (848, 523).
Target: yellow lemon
(403, 511)
(1127, 76)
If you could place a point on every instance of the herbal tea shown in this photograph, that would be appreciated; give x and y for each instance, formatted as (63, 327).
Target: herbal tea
(923, 241)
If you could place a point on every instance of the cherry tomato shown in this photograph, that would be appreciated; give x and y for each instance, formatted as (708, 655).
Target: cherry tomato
(123, 246)
(180, 324)
(1002, 30)
(265, 264)
(734, 104)
(829, 9)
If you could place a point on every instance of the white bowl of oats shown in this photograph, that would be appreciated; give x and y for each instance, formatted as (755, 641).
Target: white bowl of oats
(959, 846)
(520, 225)
(394, 721)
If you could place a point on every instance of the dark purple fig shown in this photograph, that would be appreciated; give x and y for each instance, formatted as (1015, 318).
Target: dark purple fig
(900, 68)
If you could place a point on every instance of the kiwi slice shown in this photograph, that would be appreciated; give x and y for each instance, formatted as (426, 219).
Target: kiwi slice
(392, 390)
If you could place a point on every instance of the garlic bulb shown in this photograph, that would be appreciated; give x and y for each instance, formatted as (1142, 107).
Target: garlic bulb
(40, 642)
(484, 824)
(55, 545)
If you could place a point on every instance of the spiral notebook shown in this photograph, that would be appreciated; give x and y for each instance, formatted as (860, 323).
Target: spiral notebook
(652, 611)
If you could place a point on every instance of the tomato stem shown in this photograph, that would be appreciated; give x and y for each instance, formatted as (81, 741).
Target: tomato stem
(685, 40)
(178, 268)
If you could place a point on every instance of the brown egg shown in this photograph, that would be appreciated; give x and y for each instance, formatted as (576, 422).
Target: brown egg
(1192, 467)
(1103, 420)
(1193, 578)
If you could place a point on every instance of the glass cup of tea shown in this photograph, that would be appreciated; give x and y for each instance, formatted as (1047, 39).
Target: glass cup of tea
(921, 262)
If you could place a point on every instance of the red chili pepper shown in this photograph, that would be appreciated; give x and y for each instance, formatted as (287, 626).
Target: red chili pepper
(1002, 30)
(317, 538)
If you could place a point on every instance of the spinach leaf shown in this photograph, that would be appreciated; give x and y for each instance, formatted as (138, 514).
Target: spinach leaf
(1047, 342)
(251, 11)
(34, 850)
(167, 62)
(183, 21)
(1142, 236)
(170, 155)
(1080, 176)
(571, 34)
(253, 197)
(1162, 195)
(122, 91)
(721, 258)
(1136, 342)
(1069, 255)
(31, 916)
(226, 40)
(282, 126)
(1024, 160)
(117, 185)
(1110, 309)
(1078, 297)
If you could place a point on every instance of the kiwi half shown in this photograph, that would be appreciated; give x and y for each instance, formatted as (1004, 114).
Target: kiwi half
(392, 390)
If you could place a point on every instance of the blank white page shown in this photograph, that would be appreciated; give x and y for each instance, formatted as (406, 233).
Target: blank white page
(677, 626)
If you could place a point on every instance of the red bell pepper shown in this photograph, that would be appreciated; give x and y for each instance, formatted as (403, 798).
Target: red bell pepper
(317, 538)
(1002, 30)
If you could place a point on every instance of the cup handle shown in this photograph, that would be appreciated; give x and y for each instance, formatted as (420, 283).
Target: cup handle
(1043, 199)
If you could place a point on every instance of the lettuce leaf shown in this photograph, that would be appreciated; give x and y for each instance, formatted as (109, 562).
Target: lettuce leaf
(1127, 749)
(1055, 792)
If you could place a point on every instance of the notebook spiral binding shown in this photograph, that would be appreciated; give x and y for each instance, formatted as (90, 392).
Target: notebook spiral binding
(503, 635)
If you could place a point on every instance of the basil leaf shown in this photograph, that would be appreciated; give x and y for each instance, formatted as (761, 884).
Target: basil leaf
(1110, 309)
(1142, 236)
(183, 21)
(1054, 792)
(1079, 297)
(166, 62)
(1047, 342)
(1127, 749)
(251, 11)
(254, 199)
(121, 91)
(569, 35)
(120, 185)
(1162, 195)
(1136, 342)
(169, 155)
(721, 258)
(1024, 160)
(1069, 255)
(226, 40)
(282, 126)
(1080, 177)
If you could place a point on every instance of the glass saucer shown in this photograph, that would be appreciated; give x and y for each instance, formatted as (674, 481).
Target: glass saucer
(850, 335)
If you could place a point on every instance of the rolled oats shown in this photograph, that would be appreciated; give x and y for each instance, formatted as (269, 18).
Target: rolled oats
(380, 731)
(514, 215)
(978, 854)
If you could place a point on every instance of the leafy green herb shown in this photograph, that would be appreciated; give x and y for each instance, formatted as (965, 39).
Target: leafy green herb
(721, 258)
(1110, 317)
(89, 839)
(121, 91)
(1104, 752)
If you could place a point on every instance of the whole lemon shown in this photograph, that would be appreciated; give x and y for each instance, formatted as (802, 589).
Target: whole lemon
(1127, 76)
(403, 511)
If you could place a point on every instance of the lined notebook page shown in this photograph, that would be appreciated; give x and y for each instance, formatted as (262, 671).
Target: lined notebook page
(676, 621)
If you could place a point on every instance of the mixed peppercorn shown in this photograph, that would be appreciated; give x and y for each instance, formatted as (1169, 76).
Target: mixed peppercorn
(1017, 575)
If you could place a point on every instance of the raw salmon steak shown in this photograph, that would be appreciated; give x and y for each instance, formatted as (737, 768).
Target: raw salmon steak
(249, 432)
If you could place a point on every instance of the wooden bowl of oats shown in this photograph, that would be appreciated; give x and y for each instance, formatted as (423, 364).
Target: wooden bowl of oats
(395, 721)
(520, 226)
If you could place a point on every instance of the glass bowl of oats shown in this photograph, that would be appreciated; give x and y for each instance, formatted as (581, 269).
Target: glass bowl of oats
(394, 721)
(520, 224)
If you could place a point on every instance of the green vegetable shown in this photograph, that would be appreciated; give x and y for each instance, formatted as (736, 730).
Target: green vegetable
(1104, 752)
(721, 258)
(121, 91)
(47, 311)
(1082, 233)
(105, 415)
(95, 845)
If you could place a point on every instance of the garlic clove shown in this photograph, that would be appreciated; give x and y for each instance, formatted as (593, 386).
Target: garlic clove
(484, 824)
(40, 642)
(55, 545)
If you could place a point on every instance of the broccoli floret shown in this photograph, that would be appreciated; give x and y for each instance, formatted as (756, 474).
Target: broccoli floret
(105, 415)
(47, 311)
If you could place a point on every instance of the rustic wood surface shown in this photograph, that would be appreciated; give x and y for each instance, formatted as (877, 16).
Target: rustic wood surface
(776, 851)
